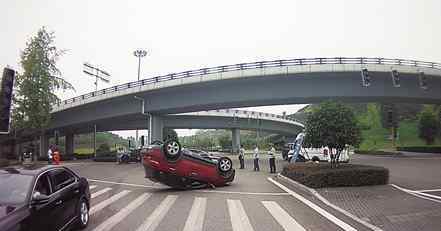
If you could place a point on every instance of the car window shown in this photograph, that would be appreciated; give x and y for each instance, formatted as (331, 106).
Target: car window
(62, 178)
(43, 185)
(14, 188)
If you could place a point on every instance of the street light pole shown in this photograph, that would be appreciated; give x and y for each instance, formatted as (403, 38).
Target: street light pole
(140, 53)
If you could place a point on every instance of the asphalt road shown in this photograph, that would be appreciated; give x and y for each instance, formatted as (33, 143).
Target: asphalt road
(124, 200)
(415, 171)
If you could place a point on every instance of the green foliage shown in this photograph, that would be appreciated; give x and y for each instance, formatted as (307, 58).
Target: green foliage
(170, 134)
(333, 125)
(36, 86)
(428, 124)
(103, 148)
(225, 141)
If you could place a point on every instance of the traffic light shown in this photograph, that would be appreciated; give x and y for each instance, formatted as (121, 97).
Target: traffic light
(395, 78)
(142, 141)
(7, 85)
(365, 78)
(423, 80)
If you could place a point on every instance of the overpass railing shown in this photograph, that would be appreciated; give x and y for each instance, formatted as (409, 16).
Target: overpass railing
(252, 65)
(246, 114)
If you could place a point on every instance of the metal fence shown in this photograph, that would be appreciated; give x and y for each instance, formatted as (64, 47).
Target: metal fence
(253, 65)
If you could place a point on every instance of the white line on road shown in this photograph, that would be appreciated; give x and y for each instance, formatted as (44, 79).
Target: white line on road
(108, 201)
(238, 217)
(321, 211)
(328, 203)
(285, 220)
(429, 190)
(152, 222)
(429, 195)
(195, 220)
(414, 193)
(201, 191)
(92, 186)
(102, 191)
(118, 217)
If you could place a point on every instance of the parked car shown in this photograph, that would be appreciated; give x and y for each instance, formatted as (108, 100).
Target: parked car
(43, 198)
(169, 164)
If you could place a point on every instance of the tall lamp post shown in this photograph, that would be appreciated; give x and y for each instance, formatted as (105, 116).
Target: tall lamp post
(140, 53)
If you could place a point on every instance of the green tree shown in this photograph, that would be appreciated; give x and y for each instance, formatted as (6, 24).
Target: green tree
(170, 134)
(36, 86)
(225, 141)
(428, 125)
(333, 125)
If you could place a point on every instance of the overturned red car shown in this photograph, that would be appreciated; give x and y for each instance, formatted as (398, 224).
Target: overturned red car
(181, 168)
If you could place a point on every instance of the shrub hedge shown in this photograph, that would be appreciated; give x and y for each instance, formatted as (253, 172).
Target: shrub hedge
(424, 149)
(320, 175)
(375, 152)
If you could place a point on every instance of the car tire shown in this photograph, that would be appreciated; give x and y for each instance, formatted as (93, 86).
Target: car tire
(83, 214)
(315, 158)
(224, 164)
(172, 150)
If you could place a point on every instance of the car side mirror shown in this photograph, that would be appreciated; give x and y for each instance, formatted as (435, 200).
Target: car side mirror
(38, 198)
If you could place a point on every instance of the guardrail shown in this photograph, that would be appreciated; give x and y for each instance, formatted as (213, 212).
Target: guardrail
(245, 114)
(253, 65)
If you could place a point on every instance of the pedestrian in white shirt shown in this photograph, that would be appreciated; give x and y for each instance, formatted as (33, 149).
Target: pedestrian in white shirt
(256, 159)
(272, 159)
(49, 155)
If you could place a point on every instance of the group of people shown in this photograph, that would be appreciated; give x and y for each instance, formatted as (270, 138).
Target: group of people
(53, 155)
(256, 155)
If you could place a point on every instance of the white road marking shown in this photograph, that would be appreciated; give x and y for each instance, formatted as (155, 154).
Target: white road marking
(326, 202)
(152, 222)
(127, 184)
(429, 195)
(102, 191)
(430, 190)
(108, 201)
(239, 219)
(415, 193)
(202, 191)
(92, 186)
(195, 220)
(318, 209)
(118, 217)
(285, 220)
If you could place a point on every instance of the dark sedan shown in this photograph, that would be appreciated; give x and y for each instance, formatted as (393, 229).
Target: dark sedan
(43, 198)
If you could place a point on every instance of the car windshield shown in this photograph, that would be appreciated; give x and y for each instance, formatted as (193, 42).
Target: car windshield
(14, 188)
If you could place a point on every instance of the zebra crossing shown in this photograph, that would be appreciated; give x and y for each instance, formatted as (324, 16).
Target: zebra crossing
(195, 215)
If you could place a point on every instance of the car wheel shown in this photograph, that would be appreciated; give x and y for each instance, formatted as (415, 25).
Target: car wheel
(83, 214)
(315, 158)
(172, 150)
(224, 164)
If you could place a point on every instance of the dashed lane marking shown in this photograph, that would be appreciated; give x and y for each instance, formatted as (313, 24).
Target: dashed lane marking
(195, 220)
(315, 207)
(98, 193)
(285, 220)
(152, 222)
(123, 213)
(108, 201)
(238, 216)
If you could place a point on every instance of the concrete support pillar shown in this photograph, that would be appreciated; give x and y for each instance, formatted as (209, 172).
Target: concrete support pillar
(156, 127)
(44, 145)
(235, 140)
(69, 143)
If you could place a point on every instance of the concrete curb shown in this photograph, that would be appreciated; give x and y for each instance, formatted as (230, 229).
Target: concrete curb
(328, 203)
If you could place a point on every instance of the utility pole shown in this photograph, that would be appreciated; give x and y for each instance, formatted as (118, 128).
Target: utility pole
(140, 53)
(97, 73)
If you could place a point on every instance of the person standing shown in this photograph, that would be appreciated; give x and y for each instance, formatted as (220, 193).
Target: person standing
(49, 155)
(256, 159)
(57, 156)
(272, 159)
(242, 157)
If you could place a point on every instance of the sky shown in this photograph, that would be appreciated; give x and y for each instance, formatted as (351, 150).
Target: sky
(186, 35)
